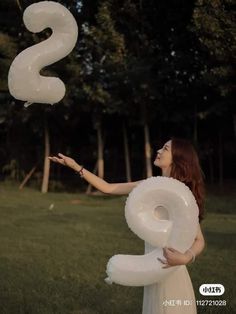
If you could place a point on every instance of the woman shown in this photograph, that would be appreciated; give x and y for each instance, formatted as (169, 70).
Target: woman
(177, 159)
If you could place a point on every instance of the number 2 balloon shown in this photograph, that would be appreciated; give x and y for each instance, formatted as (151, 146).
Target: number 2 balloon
(24, 79)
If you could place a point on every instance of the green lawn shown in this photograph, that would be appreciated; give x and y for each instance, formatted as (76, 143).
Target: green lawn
(54, 249)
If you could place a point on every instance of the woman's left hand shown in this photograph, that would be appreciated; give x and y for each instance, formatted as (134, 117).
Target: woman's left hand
(174, 258)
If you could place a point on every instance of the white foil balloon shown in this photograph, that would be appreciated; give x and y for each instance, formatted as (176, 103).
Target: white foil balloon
(24, 81)
(163, 212)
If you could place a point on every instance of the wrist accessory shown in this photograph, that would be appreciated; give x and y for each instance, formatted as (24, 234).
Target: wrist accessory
(80, 172)
(193, 255)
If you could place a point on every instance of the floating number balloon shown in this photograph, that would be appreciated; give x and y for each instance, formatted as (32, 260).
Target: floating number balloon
(163, 212)
(24, 80)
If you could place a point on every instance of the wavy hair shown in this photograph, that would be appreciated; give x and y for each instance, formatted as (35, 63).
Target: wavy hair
(186, 168)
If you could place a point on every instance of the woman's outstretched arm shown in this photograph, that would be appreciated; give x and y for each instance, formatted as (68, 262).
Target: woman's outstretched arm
(98, 183)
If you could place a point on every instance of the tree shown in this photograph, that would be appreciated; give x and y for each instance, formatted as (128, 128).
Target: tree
(14, 39)
(215, 25)
(150, 66)
(102, 54)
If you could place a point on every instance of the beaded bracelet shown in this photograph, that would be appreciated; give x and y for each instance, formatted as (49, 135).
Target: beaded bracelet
(81, 172)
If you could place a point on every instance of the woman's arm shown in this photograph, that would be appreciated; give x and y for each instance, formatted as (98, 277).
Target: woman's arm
(98, 183)
(174, 257)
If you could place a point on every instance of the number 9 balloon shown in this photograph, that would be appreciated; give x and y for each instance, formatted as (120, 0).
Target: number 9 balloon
(163, 212)
(24, 80)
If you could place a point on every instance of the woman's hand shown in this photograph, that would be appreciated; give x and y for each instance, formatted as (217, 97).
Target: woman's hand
(65, 161)
(174, 257)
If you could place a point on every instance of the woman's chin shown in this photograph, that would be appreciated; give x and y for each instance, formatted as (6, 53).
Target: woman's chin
(156, 163)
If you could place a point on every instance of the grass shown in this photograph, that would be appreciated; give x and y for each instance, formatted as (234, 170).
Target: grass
(54, 249)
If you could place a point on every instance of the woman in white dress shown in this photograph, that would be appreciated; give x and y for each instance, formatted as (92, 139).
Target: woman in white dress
(177, 159)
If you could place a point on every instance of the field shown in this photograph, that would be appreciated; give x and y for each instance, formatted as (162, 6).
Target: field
(54, 249)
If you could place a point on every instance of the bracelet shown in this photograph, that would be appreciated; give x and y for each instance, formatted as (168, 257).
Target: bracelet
(81, 172)
(193, 255)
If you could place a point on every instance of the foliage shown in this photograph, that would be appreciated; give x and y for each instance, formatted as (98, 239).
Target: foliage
(169, 62)
(12, 170)
(215, 22)
(8, 49)
(101, 55)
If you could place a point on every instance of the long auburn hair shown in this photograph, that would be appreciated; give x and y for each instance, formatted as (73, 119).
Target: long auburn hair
(186, 168)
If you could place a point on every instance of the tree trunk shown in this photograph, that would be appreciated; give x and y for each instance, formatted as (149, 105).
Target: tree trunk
(19, 5)
(27, 177)
(46, 169)
(127, 155)
(89, 188)
(147, 150)
(100, 151)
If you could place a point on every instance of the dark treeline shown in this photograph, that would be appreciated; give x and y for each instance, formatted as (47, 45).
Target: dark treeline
(141, 72)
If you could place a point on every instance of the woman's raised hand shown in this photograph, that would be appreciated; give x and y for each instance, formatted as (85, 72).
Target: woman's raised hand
(98, 183)
(64, 160)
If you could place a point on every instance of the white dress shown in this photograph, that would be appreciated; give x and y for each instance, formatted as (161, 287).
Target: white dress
(174, 295)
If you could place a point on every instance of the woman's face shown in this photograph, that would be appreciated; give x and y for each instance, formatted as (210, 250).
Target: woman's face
(164, 157)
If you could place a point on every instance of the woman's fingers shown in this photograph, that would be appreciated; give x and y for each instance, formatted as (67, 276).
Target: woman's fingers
(58, 160)
(52, 158)
(163, 262)
(167, 266)
(169, 252)
(67, 160)
(171, 249)
(63, 158)
(166, 252)
(174, 257)
(61, 155)
(170, 255)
